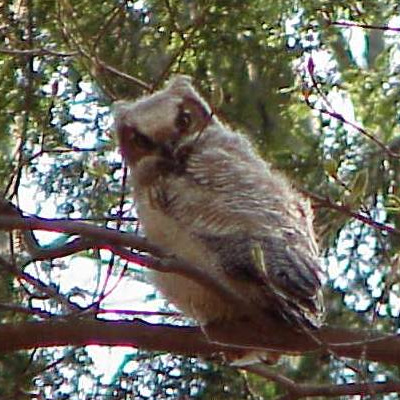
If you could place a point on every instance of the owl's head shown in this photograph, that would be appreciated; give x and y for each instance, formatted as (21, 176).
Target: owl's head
(160, 123)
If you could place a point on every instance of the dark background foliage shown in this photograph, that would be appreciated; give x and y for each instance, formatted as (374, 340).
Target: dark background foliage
(274, 70)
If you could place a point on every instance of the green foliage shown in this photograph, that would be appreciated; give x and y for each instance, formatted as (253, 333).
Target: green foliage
(58, 75)
(167, 376)
(14, 382)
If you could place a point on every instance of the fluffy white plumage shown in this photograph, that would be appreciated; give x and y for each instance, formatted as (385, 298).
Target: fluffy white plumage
(204, 195)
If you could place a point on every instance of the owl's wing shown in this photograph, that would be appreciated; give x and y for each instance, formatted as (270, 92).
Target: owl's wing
(287, 273)
(224, 203)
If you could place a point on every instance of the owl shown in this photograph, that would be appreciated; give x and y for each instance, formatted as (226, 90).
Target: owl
(204, 195)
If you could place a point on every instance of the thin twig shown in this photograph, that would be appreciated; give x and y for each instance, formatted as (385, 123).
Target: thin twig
(25, 310)
(297, 390)
(341, 118)
(37, 52)
(138, 312)
(179, 53)
(102, 30)
(38, 285)
(123, 75)
(347, 24)
(325, 202)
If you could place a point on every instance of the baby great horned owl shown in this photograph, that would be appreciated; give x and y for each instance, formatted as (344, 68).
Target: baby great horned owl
(205, 196)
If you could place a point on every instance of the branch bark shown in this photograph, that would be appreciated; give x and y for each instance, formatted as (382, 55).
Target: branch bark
(299, 390)
(101, 234)
(259, 332)
(81, 332)
(192, 341)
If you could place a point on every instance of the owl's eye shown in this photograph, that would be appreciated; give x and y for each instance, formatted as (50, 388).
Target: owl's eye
(142, 141)
(183, 120)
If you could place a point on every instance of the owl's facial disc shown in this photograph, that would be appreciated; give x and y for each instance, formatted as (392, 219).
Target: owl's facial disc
(134, 144)
(163, 124)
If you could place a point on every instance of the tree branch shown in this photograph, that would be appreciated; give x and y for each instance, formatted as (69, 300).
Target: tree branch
(192, 341)
(258, 332)
(341, 118)
(81, 332)
(297, 390)
(349, 24)
(116, 242)
(36, 52)
(269, 333)
(100, 63)
(100, 234)
(39, 285)
(324, 202)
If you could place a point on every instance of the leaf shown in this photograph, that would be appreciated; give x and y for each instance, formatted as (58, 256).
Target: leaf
(258, 258)
(331, 167)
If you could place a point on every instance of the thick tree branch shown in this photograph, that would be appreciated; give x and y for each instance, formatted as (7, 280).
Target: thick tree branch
(116, 242)
(275, 335)
(191, 340)
(100, 234)
(264, 328)
(80, 332)
(260, 331)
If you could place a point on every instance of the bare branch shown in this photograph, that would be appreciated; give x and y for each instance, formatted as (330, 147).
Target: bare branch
(75, 246)
(187, 42)
(192, 341)
(262, 334)
(259, 332)
(348, 24)
(137, 312)
(36, 52)
(344, 209)
(100, 234)
(80, 332)
(38, 285)
(296, 390)
(341, 118)
(16, 308)
(262, 370)
(115, 241)
(123, 75)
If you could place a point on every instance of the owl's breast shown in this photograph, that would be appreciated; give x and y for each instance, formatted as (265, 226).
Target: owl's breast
(191, 298)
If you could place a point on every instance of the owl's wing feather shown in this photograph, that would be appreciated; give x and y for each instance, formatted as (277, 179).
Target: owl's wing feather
(234, 216)
(284, 271)
(194, 176)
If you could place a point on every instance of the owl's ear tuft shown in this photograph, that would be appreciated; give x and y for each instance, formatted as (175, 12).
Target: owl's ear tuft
(120, 111)
(180, 81)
